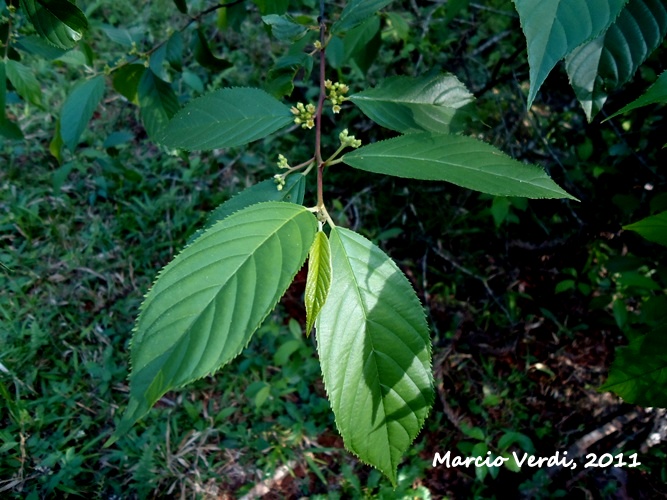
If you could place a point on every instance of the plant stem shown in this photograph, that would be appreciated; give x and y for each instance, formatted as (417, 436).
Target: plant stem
(318, 116)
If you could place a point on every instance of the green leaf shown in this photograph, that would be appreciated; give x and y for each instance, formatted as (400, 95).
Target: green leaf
(639, 372)
(36, 45)
(182, 6)
(292, 192)
(225, 118)
(427, 103)
(656, 94)
(8, 129)
(463, 161)
(653, 228)
(604, 64)
(78, 109)
(272, 6)
(361, 44)
(206, 303)
(126, 81)
(284, 28)
(356, 12)
(375, 352)
(24, 81)
(59, 21)
(174, 51)
(553, 28)
(205, 57)
(158, 103)
(319, 278)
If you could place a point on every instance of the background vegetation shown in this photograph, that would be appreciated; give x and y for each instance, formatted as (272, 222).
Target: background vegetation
(527, 300)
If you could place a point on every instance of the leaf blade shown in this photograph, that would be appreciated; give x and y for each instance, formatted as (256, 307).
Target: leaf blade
(423, 104)
(356, 12)
(463, 161)
(191, 322)
(225, 118)
(318, 281)
(60, 22)
(375, 353)
(157, 101)
(554, 28)
(24, 82)
(78, 109)
(653, 228)
(655, 94)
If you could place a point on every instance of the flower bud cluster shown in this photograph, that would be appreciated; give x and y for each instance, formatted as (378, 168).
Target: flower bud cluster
(336, 94)
(279, 179)
(305, 115)
(348, 140)
(282, 162)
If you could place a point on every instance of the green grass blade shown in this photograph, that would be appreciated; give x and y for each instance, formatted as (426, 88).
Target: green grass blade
(375, 352)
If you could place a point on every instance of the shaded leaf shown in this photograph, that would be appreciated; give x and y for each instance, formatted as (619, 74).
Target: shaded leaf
(604, 64)
(182, 6)
(656, 94)
(361, 44)
(427, 103)
(59, 21)
(653, 228)
(206, 303)
(554, 28)
(284, 28)
(158, 103)
(174, 51)
(225, 118)
(639, 372)
(24, 81)
(126, 81)
(318, 281)
(375, 351)
(36, 45)
(356, 12)
(463, 161)
(8, 129)
(78, 109)
(272, 6)
(205, 57)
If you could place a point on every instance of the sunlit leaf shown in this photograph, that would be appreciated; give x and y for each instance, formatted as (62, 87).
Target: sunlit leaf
(318, 280)
(375, 352)
(553, 28)
(78, 109)
(463, 161)
(206, 304)
(653, 228)
(427, 103)
(225, 118)
(604, 64)
(59, 21)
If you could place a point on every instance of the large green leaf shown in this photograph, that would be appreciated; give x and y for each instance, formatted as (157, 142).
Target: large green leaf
(58, 21)
(206, 303)
(319, 278)
(375, 352)
(656, 94)
(8, 129)
(226, 118)
(126, 81)
(356, 12)
(361, 44)
(604, 64)
(553, 28)
(463, 161)
(427, 103)
(639, 372)
(284, 27)
(157, 101)
(293, 192)
(24, 81)
(78, 109)
(653, 228)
